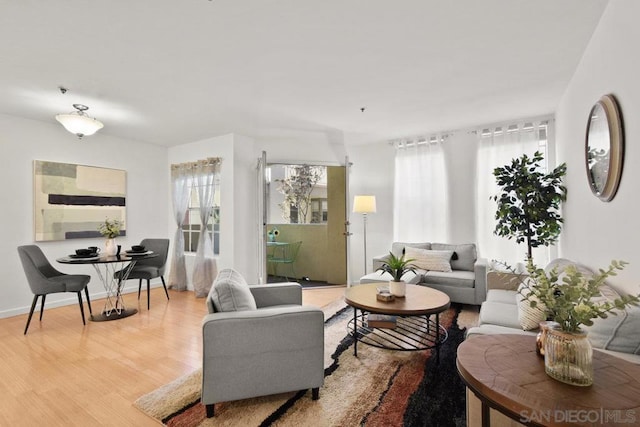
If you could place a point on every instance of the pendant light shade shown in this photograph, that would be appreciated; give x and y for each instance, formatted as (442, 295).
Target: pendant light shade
(78, 122)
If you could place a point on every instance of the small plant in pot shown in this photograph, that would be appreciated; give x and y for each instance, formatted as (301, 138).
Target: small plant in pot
(397, 267)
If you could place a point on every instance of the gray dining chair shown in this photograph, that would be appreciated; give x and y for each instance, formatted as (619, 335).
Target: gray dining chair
(43, 280)
(150, 268)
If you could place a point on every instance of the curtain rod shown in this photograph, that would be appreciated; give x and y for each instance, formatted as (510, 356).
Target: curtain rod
(209, 161)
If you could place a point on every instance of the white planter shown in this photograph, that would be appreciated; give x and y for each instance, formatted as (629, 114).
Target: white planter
(110, 247)
(398, 288)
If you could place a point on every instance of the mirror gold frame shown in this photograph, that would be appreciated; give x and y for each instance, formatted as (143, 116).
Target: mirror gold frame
(604, 148)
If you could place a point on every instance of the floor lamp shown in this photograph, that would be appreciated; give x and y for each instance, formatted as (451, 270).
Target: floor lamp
(364, 205)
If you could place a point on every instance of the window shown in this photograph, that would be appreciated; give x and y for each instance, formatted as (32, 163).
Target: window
(192, 223)
(319, 209)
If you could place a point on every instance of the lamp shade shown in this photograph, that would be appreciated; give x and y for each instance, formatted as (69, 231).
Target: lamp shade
(364, 204)
(78, 122)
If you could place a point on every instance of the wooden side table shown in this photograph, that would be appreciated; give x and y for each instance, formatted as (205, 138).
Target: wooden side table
(505, 373)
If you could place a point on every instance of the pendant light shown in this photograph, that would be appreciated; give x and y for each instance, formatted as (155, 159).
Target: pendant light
(78, 122)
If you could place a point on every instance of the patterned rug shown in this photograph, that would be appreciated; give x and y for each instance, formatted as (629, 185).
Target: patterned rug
(378, 388)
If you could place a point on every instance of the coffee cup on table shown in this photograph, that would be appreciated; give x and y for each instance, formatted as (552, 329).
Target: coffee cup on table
(137, 248)
(94, 249)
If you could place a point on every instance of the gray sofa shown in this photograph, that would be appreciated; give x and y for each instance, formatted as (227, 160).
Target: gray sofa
(465, 284)
(499, 314)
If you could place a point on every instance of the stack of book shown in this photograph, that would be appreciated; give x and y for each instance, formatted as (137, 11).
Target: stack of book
(381, 321)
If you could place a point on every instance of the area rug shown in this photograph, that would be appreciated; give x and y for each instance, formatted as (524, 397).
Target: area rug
(378, 388)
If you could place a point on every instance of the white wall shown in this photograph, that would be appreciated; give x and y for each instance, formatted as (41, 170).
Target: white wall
(245, 186)
(596, 232)
(22, 141)
(372, 172)
(300, 151)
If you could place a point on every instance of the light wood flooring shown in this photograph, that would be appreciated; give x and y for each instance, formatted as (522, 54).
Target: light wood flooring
(65, 374)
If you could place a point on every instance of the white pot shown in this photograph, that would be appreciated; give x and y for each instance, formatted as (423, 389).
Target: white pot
(398, 288)
(110, 247)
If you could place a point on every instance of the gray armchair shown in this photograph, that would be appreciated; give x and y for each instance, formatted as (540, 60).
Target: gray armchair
(276, 348)
(43, 280)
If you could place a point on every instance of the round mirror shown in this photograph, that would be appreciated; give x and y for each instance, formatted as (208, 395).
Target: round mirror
(604, 148)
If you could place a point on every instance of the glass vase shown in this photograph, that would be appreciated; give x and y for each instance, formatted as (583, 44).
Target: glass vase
(568, 356)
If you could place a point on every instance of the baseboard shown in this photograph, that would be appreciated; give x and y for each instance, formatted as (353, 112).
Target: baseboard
(73, 299)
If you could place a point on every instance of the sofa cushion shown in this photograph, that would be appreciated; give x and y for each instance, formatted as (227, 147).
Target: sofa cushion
(463, 279)
(500, 314)
(429, 260)
(383, 277)
(466, 255)
(560, 264)
(230, 292)
(397, 248)
(504, 296)
(619, 331)
(529, 317)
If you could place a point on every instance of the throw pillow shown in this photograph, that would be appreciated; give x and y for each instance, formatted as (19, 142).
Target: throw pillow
(465, 255)
(231, 292)
(430, 260)
(398, 248)
(620, 330)
(529, 317)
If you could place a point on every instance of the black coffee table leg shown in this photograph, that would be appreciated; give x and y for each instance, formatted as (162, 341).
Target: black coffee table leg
(437, 337)
(355, 332)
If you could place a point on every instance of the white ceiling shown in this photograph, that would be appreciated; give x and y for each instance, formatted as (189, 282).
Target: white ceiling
(175, 71)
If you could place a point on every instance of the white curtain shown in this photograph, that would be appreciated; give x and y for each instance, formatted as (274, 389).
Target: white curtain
(420, 192)
(205, 270)
(181, 176)
(497, 146)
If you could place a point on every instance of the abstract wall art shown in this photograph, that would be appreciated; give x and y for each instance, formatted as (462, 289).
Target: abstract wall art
(70, 200)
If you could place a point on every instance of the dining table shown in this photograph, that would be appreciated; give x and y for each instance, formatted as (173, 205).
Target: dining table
(113, 271)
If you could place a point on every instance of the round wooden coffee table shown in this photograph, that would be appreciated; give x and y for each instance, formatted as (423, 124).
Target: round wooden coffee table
(406, 324)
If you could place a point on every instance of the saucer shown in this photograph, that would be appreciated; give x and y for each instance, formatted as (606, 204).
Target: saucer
(76, 256)
(137, 253)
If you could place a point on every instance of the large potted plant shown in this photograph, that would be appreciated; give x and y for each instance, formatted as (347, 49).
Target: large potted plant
(568, 299)
(397, 267)
(529, 202)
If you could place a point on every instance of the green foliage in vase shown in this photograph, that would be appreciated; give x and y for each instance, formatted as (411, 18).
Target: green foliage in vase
(529, 202)
(568, 298)
(397, 267)
(110, 228)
